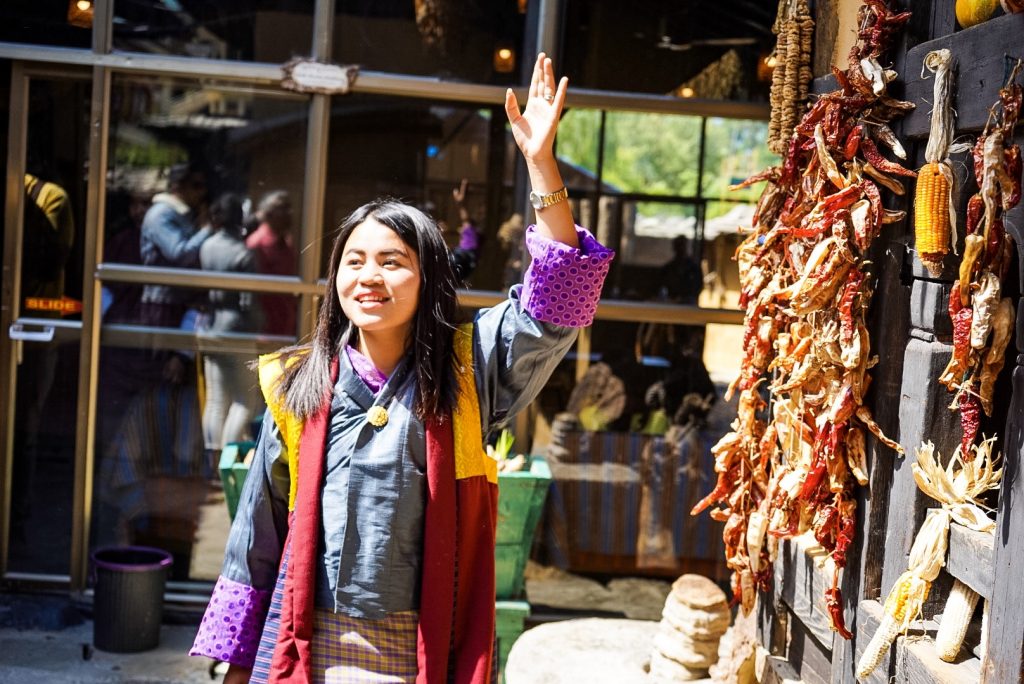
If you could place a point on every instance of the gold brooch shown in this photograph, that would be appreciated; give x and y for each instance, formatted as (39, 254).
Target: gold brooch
(377, 416)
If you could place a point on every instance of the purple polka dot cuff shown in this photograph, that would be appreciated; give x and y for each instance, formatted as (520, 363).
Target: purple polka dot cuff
(233, 622)
(563, 284)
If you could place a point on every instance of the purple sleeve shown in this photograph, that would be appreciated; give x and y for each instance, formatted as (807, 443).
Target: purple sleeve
(233, 622)
(563, 284)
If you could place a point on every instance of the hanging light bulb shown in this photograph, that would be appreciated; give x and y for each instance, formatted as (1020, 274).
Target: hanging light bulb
(80, 13)
(686, 91)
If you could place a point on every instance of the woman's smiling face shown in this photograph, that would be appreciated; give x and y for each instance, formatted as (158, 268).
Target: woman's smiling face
(378, 280)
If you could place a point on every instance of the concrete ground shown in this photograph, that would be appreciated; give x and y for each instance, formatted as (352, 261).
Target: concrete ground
(47, 639)
(66, 656)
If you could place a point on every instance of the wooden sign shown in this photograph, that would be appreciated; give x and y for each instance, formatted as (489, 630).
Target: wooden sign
(307, 76)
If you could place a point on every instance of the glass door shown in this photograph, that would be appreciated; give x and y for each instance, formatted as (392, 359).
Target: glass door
(47, 166)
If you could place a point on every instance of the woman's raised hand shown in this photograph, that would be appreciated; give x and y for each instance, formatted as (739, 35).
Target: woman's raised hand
(534, 128)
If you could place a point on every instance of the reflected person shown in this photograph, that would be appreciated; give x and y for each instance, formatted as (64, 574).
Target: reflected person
(231, 394)
(275, 255)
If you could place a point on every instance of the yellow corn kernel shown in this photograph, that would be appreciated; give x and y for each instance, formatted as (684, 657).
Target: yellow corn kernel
(955, 618)
(931, 215)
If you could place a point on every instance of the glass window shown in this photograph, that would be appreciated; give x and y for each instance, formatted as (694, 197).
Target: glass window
(480, 42)
(66, 23)
(628, 443)
(688, 49)
(163, 417)
(46, 346)
(652, 154)
(204, 176)
(420, 151)
(264, 31)
(734, 150)
(658, 253)
(579, 133)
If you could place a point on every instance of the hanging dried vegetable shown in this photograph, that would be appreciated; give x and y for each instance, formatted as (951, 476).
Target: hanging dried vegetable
(959, 489)
(983, 319)
(791, 77)
(934, 214)
(805, 285)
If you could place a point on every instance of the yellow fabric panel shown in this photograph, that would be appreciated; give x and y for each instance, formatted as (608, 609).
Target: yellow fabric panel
(288, 425)
(470, 458)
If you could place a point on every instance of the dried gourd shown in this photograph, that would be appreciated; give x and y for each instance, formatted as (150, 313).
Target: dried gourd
(973, 12)
(791, 77)
(934, 214)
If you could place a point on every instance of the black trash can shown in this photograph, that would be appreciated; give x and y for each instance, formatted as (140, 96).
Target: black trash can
(129, 597)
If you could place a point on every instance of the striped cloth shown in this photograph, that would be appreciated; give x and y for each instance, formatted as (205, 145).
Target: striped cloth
(346, 650)
(621, 501)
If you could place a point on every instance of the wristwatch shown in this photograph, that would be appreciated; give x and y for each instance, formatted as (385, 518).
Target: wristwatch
(543, 201)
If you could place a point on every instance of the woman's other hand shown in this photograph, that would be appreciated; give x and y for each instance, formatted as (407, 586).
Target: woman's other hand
(237, 675)
(534, 128)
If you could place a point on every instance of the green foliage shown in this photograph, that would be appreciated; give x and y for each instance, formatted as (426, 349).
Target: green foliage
(734, 150)
(658, 154)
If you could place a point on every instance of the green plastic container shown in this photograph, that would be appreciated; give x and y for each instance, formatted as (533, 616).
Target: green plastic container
(508, 625)
(233, 472)
(520, 503)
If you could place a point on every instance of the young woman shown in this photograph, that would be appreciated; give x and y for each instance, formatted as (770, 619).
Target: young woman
(363, 546)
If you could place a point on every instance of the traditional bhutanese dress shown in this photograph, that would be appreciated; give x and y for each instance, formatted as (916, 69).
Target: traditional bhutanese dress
(370, 556)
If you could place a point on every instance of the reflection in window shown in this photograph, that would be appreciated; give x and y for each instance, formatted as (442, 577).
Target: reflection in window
(45, 388)
(628, 443)
(464, 41)
(267, 31)
(734, 150)
(421, 152)
(578, 137)
(66, 23)
(203, 177)
(654, 154)
(659, 258)
(706, 50)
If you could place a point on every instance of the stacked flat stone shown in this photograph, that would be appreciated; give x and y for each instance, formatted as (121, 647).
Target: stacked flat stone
(695, 616)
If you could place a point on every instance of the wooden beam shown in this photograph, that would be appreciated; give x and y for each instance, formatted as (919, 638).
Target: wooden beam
(803, 570)
(982, 53)
(1006, 618)
(969, 558)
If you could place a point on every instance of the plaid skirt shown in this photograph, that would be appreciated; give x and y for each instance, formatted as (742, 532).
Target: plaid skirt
(347, 650)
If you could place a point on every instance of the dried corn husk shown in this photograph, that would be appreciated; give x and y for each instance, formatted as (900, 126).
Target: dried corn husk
(958, 488)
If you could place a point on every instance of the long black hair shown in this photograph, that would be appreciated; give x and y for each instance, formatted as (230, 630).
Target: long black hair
(307, 376)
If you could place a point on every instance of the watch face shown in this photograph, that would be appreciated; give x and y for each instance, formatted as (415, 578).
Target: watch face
(536, 200)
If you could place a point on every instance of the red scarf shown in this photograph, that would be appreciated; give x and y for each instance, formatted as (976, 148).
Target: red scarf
(456, 617)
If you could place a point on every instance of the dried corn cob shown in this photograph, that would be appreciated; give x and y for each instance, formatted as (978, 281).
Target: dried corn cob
(901, 607)
(955, 618)
(932, 215)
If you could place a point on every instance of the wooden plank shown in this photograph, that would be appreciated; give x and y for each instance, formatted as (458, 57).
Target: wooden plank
(888, 324)
(1006, 618)
(772, 622)
(801, 573)
(923, 416)
(969, 558)
(812, 663)
(981, 53)
(869, 616)
(778, 671)
(917, 663)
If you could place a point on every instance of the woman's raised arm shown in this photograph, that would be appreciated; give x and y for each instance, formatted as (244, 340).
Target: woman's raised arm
(534, 131)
